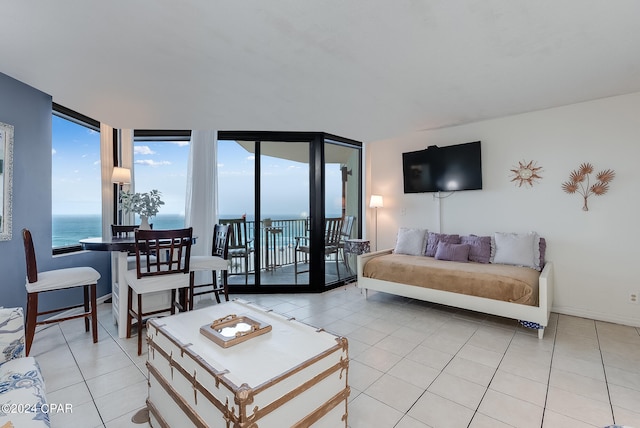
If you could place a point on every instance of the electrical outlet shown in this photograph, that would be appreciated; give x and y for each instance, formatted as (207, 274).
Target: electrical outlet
(634, 297)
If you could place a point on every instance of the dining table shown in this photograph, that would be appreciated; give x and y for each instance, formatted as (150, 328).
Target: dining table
(122, 247)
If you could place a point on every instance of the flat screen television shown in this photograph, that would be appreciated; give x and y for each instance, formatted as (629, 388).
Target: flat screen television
(443, 169)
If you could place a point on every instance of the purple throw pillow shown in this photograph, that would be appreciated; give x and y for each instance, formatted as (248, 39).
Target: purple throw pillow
(434, 238)
(479, 248)
(452, 252)
(543, 250)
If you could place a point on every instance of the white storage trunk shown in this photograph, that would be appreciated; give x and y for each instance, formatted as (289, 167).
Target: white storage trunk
(293, 376)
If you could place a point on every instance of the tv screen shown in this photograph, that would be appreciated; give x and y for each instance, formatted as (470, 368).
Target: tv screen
(443, 169)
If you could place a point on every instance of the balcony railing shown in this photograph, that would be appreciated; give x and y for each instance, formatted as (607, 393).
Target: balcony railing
(277, 247)
(277, 241)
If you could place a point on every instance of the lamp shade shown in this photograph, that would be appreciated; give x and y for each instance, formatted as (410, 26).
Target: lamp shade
(121, 175)
(376, 201)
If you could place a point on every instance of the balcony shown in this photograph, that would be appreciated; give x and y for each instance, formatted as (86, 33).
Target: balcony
(276, 261)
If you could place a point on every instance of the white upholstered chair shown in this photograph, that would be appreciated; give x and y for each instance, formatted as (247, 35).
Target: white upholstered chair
(162, 264)
(53, 280)
(217, 261)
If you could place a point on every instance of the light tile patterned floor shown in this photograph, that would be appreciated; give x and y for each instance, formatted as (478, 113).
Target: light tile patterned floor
(413, 365)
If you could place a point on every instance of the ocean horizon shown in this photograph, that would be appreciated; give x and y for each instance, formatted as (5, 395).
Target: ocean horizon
(68, 229)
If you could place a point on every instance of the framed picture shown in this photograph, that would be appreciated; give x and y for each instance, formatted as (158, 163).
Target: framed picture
(6, 179)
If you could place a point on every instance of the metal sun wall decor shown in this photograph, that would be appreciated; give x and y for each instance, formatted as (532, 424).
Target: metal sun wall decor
(579, 182)
(526, 173)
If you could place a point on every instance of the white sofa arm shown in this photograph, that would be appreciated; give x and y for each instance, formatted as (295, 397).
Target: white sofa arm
(11, 334)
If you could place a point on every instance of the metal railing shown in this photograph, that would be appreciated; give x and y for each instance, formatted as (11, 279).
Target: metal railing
(277, 244)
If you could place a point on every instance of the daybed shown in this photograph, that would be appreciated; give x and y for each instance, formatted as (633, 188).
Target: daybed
(521, 293)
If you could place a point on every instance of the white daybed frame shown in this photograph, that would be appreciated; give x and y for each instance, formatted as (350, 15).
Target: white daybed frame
(538, 314)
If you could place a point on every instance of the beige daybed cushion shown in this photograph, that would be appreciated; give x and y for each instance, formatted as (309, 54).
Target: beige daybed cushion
(493, 281)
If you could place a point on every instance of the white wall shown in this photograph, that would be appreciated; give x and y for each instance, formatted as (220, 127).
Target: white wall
(595, 253)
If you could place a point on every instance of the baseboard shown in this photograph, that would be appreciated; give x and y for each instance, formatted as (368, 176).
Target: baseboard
(599, 316)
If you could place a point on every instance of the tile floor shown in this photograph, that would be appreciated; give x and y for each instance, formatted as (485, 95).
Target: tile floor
(413, 365)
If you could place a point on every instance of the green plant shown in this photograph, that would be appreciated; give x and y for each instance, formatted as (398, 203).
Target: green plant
(143, 204)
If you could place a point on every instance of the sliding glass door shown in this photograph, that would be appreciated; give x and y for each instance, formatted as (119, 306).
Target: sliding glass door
(295, 193)
(284, 212)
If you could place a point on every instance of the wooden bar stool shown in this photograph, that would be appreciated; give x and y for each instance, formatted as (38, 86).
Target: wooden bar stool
(53, 280)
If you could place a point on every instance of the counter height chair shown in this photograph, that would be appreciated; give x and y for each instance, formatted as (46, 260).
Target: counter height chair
(125, 231)
(55, 280)
(162, 264)
(217, 261)
(240, 245)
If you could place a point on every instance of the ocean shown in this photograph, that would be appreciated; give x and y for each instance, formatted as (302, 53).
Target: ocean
(69, 229)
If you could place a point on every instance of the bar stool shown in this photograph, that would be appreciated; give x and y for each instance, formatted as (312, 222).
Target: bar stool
(53, 280)
(217, 261)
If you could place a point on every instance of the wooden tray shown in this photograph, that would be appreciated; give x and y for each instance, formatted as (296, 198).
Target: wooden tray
(234, 329)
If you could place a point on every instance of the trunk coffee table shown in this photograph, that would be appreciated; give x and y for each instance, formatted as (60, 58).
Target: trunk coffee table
(291, 375)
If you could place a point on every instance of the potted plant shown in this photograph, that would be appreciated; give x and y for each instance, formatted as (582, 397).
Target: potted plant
(144, 204)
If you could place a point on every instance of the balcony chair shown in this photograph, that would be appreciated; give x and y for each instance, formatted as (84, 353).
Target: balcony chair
(162, 264)
(345, 232)
(217, 261)
(54, 280)
(332, 229)
(240, 246)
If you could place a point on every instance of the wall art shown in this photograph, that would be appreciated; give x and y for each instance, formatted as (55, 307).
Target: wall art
(579, 182)
(527, 173)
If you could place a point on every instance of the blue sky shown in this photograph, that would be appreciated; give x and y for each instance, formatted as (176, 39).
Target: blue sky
(162, 165)
(75, 177)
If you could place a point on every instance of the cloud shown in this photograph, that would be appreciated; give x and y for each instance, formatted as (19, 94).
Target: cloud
(151, 162)
(180, 143)
(251, 157)
(143, 150)
(53, 151)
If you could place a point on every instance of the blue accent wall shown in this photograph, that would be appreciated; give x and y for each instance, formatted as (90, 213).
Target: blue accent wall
(29, 111)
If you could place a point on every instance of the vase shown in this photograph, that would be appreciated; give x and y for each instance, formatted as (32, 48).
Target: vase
(144, 223)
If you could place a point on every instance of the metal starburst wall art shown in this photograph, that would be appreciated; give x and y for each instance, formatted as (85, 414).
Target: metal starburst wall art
(526, 173)
(579, 182)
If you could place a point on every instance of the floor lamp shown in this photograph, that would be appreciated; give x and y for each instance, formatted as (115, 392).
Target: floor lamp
(120, 176)
(376, 202)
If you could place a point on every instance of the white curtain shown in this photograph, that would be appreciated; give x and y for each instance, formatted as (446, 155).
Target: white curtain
(201, 210)
(107, 163)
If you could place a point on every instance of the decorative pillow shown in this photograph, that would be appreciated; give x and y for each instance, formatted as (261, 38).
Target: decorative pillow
(479, 248)
(518, 249)
(452, 252)
(11, 334)
(434, 238)
(410, 241)
(543, 251)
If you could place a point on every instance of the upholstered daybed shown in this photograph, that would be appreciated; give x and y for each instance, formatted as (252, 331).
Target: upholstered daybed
(519, 292)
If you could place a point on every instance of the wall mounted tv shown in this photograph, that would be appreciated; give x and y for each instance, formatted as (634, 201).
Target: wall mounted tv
(443, 169)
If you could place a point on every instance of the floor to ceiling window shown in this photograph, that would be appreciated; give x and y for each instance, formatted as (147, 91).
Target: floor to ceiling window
(76, 201)
(160, 162)
(289, 190)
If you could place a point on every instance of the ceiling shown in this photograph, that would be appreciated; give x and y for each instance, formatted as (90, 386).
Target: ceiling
(362, 69)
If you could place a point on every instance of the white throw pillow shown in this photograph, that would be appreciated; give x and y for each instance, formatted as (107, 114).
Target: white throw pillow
(411, 241)
(518, 249)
